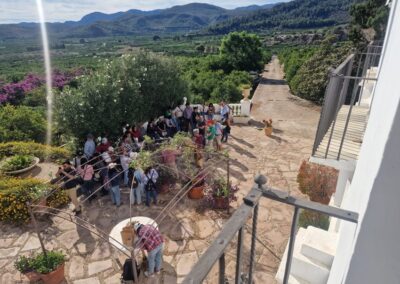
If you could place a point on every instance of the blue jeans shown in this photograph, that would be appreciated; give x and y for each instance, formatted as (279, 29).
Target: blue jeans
(116, 195)
(136, 194)
(126, 179)
(151, 194)
(154, 259)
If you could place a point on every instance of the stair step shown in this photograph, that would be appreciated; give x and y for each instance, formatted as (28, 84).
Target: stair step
(320, 244)
(307, 269)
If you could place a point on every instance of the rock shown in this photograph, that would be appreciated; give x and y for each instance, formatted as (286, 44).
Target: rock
(31, 244)
(206, 228)
(22, 239)
(115, 279)
(92, 280)
(77, 267)
(175, 247)
(10, 252)
(81, 248)
(99, 266)
(68, 239)
(101, 252)
(185, 263)
(5, 243)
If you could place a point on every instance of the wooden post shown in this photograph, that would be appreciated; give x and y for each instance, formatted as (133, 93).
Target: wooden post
(36, 228)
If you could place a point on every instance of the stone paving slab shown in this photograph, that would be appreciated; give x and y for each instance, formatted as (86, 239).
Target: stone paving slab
(188, 230)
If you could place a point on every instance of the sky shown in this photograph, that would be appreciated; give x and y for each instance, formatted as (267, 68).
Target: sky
(15, 11)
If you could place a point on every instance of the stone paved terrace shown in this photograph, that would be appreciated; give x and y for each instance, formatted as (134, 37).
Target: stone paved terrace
(189, 231)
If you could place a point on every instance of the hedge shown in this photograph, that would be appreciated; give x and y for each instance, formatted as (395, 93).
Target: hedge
(35, 149)
(16, 192)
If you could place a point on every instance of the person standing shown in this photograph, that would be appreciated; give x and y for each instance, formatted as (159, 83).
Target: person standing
(226, 130)
(210, 134)
(114, 179)
(86, 172)
(187, 115)
(150, 180)
(138, 187)
(224, 110)
(126, 159)
(90, 147)
(67, 174)
(151, 240)
(218, 135)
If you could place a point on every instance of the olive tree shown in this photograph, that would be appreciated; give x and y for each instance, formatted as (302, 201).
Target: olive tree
(132, 88)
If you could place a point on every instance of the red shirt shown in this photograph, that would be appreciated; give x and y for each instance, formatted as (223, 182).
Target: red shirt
(199, 141)
(103, 147)
(135, 134)
(150, 236)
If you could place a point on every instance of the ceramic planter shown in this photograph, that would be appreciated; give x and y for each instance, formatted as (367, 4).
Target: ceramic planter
(268, 131)
(32, 276)
(221, 202)
(54, 277)
(196, 192)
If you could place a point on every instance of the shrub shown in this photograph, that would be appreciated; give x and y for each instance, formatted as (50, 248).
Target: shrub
(35, 149)
(40, 263)
(17, 162)
(21, 123)
(315, 219)
(16, 192)
(133, 88)
(318, 182)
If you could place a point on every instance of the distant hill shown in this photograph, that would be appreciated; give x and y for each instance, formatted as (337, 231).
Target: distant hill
(194, 18)
(297, 14)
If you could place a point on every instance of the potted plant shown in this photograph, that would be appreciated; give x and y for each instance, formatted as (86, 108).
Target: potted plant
(48, 267)
(18, 164)
(221, 194)
(197, 188)
(268, 127)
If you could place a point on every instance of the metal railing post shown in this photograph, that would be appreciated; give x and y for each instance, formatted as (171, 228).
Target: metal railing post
(291, 245)
(222, 269)
(253, 243)
(239, 256)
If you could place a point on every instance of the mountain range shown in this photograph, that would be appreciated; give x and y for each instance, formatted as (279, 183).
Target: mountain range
(192, 18)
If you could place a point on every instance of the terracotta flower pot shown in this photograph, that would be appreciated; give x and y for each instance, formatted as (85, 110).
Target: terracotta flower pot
(196, 192)
(220, 202)
(268, 131)
(32, 276)
(54, 277)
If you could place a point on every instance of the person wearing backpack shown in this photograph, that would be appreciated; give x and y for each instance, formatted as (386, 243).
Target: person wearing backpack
(150, 180)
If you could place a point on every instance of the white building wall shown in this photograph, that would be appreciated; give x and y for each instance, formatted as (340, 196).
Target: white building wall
(370, 252)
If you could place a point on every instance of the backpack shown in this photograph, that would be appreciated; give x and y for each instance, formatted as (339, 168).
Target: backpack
(150, 186)
(127, 271)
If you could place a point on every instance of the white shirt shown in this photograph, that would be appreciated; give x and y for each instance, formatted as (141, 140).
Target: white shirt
(125, 161)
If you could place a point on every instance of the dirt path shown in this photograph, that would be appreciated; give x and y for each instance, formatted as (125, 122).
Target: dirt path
(278, 157)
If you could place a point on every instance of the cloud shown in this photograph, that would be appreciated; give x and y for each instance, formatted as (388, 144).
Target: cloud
(13, 11)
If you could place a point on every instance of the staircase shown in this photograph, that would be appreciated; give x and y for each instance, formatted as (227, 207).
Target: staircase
(352, 138)
(313, 255)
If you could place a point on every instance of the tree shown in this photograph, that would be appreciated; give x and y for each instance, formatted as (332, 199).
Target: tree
(21, 124)
(156, 38)
(133, 88)
(241, 51)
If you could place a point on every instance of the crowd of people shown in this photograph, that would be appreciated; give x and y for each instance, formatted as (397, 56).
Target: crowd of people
(101, 164)
(104, 168)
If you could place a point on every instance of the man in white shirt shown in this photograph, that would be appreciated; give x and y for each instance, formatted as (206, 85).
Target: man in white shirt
(224, 110)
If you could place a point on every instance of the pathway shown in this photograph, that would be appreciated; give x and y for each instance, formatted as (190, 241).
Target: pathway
(90, 260)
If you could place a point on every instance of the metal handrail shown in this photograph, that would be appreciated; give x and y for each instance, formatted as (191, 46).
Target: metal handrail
(235, 225)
